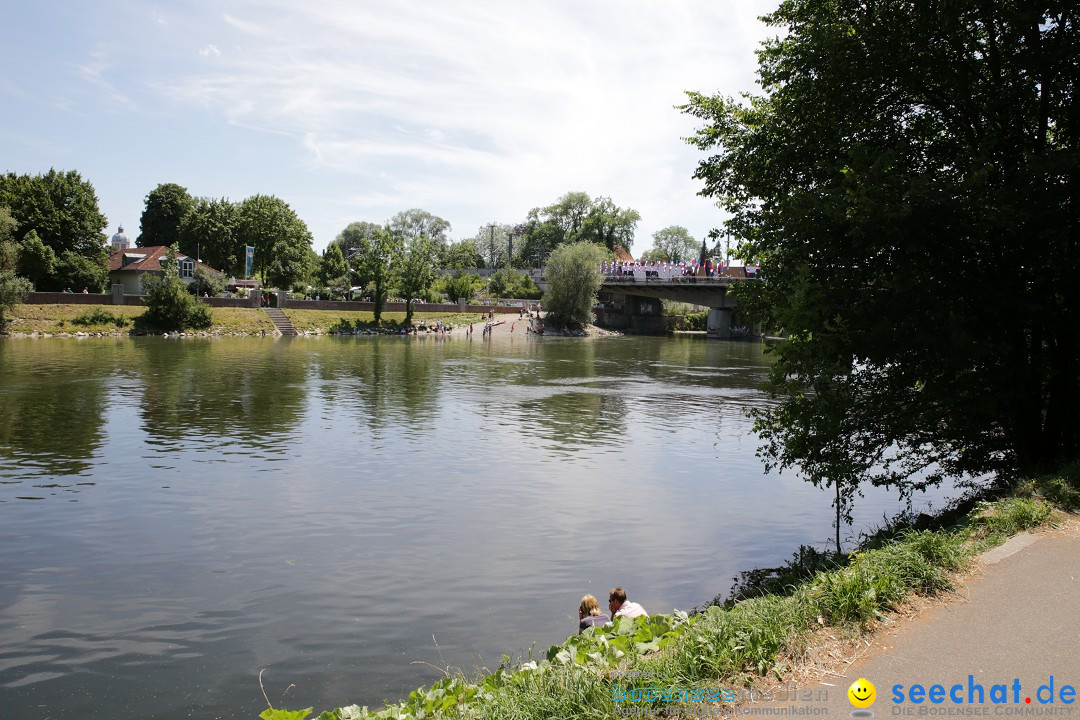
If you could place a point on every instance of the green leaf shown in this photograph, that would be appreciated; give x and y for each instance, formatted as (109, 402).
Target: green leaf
(281, 714)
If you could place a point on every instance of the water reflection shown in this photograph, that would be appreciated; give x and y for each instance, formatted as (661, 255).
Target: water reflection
(51, 414)
(322, 507)
(204, 392)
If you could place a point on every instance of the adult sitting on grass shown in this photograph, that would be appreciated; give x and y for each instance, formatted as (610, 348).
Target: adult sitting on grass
(589, 614)
(621, 607)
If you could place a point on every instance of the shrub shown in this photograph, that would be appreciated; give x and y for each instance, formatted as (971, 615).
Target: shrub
(77, 272)
(169, 306)
(507, 283)
(693, 321)
(460, 286)
(101, 317)
(574, 279)
(210, 283)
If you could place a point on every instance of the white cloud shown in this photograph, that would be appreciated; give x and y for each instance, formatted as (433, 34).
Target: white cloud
(483, 106)
(97, 71)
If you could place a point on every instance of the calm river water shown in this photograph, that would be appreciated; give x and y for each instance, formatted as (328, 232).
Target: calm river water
(176, 516)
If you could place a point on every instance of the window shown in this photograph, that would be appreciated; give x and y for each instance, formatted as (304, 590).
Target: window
(187, 268)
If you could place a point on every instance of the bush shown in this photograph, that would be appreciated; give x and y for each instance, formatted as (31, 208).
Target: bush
(13, 289)
(101, 317)
(574, 279)
(77, 272)
(169, 306)
(507, 283)
(460, 286)
(210, 283)
(693, 321)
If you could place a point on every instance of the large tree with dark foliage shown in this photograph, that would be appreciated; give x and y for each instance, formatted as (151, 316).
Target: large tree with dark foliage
(909, 177)
(281, 239)
(60, 206)
(163, 213)
(13, 289)
(575, 217)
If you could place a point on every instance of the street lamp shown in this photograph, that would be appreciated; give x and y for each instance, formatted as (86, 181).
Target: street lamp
(348, 265)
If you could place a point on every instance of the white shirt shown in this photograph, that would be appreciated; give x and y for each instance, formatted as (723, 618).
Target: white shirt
(631, 610)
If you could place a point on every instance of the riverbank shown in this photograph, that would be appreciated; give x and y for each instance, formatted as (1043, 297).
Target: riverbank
(121, 320)
(723, 655)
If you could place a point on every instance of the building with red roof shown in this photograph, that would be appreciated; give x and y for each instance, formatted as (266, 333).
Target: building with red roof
(128, 266)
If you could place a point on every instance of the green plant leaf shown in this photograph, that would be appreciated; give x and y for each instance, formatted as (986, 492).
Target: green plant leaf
(281, 714)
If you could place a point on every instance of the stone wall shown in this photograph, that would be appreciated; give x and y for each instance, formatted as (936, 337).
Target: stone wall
(56, 298)
(62, 298)
(341, 306)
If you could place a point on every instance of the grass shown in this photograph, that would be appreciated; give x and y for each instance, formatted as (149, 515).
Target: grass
(103, 318)
(326, 321)
(240, 321)
(56, 319)
(728, 646)
(123, 319)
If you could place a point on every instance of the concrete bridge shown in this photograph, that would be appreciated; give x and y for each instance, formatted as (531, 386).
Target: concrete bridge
(638, 296)
(630, 300)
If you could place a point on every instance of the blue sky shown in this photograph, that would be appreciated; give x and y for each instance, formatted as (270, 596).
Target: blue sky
(474, 110)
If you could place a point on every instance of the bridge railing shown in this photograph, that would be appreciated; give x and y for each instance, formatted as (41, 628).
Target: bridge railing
(653, 278)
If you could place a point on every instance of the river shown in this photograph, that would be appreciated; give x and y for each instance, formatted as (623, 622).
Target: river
(350, 514)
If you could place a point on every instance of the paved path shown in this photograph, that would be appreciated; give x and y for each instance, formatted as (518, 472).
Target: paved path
(1018, 618)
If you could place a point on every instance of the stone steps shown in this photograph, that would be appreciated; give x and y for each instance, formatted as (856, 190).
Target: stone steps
(281, 321)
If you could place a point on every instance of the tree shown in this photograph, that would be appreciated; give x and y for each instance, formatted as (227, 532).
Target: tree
(163, 214)
(288, 264)
(574, 279)
(672, 244)
(493, 243)
(37, 262)
(60, 206)
(416, 222)
(576, 217)
(461, 286)
(333, 271)
(377, 256)
(205, 282)
(609, 225)
(77, 271)
(508, 283)
(352, 240)
(169, 306)
(13, 288)
(462, 255)
(909, 178)
(268, 224)
(416, 271)
(209, 233)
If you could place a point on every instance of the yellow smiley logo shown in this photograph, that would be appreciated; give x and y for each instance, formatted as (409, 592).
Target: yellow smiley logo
(862, 693)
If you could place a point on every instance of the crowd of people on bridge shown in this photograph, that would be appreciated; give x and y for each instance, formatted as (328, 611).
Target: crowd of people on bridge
(671, 270)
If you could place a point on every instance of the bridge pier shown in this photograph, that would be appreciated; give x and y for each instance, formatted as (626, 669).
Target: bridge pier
(719, 322)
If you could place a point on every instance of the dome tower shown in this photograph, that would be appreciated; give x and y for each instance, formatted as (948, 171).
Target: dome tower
(120, 240)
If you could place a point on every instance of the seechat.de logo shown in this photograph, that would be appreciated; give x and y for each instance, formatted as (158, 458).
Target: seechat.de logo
(1001, 698)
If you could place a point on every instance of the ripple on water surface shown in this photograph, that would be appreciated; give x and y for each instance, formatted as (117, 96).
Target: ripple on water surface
(337, 510)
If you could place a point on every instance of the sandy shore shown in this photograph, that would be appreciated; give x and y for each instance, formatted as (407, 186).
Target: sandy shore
(511, 325)
(514, 326)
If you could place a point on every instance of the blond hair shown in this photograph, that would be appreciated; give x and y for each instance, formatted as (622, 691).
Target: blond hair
(589, 606)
